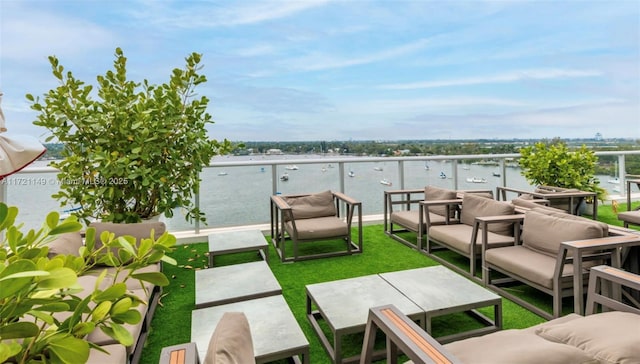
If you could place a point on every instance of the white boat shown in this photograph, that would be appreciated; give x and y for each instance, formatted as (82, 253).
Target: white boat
(476, 180)
(426, 166)
(614, 180)
(284, 177)
(379, 169)
(466, 167)
(442, 175)
(352, 174)
(385, 182)
(223, 174)
(292, 167)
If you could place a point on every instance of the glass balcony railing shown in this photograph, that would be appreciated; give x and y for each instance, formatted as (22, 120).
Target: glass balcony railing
(235, 190)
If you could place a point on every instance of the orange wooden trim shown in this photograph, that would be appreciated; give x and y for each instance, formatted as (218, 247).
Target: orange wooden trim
(178, 356)
(423, 344)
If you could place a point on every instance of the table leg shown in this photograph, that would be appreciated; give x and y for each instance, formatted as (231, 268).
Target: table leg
(577, 282)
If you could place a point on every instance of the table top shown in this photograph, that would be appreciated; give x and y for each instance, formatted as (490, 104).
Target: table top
(224, 284)
(274, 330)
(345, 303)
(439, 289)
(232, 240)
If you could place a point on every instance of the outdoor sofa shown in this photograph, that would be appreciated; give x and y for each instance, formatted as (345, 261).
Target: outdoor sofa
(71, 243)
(608, 334)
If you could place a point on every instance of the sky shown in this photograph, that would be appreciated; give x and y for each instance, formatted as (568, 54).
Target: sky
(349, 70)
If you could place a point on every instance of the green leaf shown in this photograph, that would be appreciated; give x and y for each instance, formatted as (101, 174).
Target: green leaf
(114, 292)
(8, 350)
(157, 278)
(66, 227)
(52, 219)
(19, 329)
(119, 333)
(59, 278)
(66, 349)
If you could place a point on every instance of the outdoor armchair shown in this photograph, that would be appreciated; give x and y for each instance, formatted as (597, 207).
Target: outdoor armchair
(541, 261)
(403, 212)
(464, 236)
(631, 216)
(316, 217)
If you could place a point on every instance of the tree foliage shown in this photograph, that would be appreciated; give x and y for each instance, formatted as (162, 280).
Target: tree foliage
(137, 150)
(554, 164)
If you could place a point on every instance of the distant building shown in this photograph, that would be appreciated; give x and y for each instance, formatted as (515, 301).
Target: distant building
(599, 137)
(274, 151)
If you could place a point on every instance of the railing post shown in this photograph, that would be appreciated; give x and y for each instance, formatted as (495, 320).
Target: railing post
(341, 172)
(274, 179)
(621, 174)
(454, 170)
(401, 174)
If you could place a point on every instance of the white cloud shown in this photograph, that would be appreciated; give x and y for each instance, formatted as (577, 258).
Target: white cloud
(508, 77)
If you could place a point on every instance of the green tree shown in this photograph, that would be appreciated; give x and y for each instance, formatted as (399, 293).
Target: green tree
(138, 150)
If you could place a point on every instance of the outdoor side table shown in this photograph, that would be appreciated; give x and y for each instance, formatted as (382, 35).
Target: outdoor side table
(237, 242)
(344, 306)
(440, 291)
(274, 330)
(232, 283)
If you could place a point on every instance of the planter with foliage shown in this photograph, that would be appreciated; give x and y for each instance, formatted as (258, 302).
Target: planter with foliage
(37, 290)
(553, 164)
(134, 152)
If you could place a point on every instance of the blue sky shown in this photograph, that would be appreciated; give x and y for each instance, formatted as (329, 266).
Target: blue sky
(338, 70)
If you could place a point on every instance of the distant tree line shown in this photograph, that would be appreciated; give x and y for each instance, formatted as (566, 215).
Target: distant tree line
(606, 164)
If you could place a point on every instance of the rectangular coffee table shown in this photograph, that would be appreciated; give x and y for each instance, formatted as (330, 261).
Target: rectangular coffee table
(232, 283)
(344, 306)
(236, 242)
(274, 330)
(440, 291)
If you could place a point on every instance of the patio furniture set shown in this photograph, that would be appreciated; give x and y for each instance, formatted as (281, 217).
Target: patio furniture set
(525, 241)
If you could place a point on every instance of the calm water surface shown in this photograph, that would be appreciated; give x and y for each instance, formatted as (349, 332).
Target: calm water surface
(240, 195)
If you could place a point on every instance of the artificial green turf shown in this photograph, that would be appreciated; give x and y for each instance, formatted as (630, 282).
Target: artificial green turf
(172, 321)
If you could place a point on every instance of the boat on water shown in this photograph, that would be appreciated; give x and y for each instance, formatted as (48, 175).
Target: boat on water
(385, 182)
(292, 167)
(379, 169)
(284, 177)
(442, 175)
(223, 174)
(426, 166)
(496, 174)
(476, 180)
(466, 167)
(352, 174)
(614, 180)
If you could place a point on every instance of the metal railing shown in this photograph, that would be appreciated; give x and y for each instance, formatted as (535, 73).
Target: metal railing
(399, 165)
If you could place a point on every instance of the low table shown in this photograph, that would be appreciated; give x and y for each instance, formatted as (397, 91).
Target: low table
(440, 291)
(236, 242)
(274, 330)
(232, 283)
(421, 294)
(344, 306)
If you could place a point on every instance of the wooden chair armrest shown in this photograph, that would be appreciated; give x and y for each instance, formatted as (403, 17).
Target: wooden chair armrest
(349, 200)
(403, 336)
(179, 354)
(400, 192)
(460, 193)
(609, 242)
(500, 218)
(440, 202)
(604, 274)
(280, 202)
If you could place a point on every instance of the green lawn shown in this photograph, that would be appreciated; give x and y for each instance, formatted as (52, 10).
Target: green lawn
(172, 321)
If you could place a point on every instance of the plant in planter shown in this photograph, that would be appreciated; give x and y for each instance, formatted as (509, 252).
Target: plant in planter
(43, 319)
(553, 164)
(138, 150)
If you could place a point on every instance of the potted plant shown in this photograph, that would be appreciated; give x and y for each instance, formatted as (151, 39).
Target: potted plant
(553, 164)
(43, 318)
(137, 150)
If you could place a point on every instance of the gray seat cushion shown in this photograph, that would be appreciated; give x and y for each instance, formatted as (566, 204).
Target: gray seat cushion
(116, 353)
(527, 263)
(318, 228)
(410, 219)
(458, 236)
(631, 217)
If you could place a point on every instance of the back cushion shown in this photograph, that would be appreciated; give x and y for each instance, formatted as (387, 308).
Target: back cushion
(544, 232)
(231, 341)
(311, 206)
(432, 193)
(67, 244)
(474, 205)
